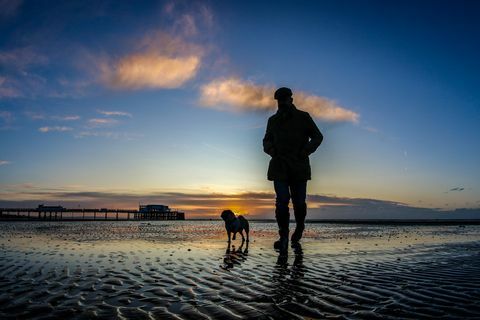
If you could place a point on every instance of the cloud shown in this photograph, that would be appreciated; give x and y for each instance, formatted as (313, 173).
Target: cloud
(371, 129)
(18, 78)
(66, 118)
(189, 18)
(115, 113)
(41, 116)
(4, 162)
(20, 58)
(102, 122)
(161, 61)
(255, 204)
(153, 71)
(34, 115)
(55, 128)
(109, 134)
(457, 189)
(239, 95)
(8, 89)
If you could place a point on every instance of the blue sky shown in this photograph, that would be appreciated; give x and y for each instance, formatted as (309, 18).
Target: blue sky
(132, 101)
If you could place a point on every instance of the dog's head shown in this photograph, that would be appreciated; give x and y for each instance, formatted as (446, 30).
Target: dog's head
(227, 215)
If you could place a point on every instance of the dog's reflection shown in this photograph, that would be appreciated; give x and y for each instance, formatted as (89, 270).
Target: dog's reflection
(235, 256)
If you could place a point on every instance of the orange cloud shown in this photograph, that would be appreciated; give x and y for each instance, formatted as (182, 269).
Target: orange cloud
(154, 71)
(240, 95)
(161, 61)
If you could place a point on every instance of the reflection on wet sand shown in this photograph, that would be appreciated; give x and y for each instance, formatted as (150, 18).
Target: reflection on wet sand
(172, 270)
(235, 256)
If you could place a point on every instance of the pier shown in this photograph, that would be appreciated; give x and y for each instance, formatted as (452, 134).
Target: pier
(59, 213)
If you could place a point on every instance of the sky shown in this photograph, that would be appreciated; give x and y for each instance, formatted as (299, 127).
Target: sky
(116, 103)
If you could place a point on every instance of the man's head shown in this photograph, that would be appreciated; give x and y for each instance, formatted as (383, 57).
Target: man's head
(283, 96)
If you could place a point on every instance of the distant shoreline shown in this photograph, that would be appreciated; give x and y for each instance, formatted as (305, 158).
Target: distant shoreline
(315, 221)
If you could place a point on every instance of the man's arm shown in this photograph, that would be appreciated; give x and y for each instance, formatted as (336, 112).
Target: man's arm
(268, 147)
(315, 136)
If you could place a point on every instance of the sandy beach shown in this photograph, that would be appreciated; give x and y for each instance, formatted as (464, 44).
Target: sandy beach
(185, 270)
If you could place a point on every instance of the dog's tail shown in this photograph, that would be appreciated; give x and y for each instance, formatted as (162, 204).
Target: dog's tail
(245, 223)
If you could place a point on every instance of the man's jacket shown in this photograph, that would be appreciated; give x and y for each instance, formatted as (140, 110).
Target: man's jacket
(291, 137)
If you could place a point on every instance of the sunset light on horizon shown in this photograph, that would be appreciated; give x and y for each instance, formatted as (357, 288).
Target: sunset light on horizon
(112, 104)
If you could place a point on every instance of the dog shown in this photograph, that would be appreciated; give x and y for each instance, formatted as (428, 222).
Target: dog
(234, 224)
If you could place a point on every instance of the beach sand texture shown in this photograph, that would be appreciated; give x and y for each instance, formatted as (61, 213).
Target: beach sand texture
(184, 270)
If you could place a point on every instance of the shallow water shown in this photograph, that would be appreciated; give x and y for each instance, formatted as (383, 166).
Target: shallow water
(184, 269)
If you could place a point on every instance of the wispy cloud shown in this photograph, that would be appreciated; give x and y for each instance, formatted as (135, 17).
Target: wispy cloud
(188, 19)
(235, 94)
(4, 162)
(371, 129)
(109, 135)
(115, 113)
(8, 89)
(66, 118)
(457, 189)
(41, 116)
(102, 122)
(35, 115)
(20, 58)
(55, 128)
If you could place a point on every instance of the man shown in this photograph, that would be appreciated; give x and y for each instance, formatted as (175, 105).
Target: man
(291, 137)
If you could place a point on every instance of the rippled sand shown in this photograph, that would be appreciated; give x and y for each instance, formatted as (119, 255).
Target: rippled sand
(184, 270)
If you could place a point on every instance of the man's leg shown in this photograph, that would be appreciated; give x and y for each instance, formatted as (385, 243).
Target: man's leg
(282, 213)
(299, 195)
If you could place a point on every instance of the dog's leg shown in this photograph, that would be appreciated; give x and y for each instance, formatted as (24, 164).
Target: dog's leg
(228, 248)
(228, 235)
(248, 238)
(241, 246)
(234, 236)
(241, 233)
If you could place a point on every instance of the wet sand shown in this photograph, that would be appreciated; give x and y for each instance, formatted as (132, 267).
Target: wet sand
(185, 270)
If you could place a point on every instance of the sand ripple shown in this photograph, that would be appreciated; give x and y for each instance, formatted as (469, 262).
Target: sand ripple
(356, 274)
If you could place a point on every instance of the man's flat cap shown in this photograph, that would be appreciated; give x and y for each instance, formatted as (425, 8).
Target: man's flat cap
(282, 93)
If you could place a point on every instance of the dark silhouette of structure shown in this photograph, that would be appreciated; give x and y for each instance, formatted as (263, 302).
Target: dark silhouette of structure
(59, 213)
(291, 136)
(158, 212)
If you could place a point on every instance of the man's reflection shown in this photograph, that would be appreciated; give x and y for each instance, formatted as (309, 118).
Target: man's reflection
(286, 279)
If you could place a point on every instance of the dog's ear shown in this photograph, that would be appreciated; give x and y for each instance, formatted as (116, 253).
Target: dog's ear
(224, 214)
(231, 214)
(227, 214)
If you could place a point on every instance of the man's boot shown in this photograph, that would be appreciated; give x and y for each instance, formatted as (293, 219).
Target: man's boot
(283, 219)
(300, 211)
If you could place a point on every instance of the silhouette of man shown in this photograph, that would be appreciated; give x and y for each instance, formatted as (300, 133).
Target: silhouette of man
(291, 136)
